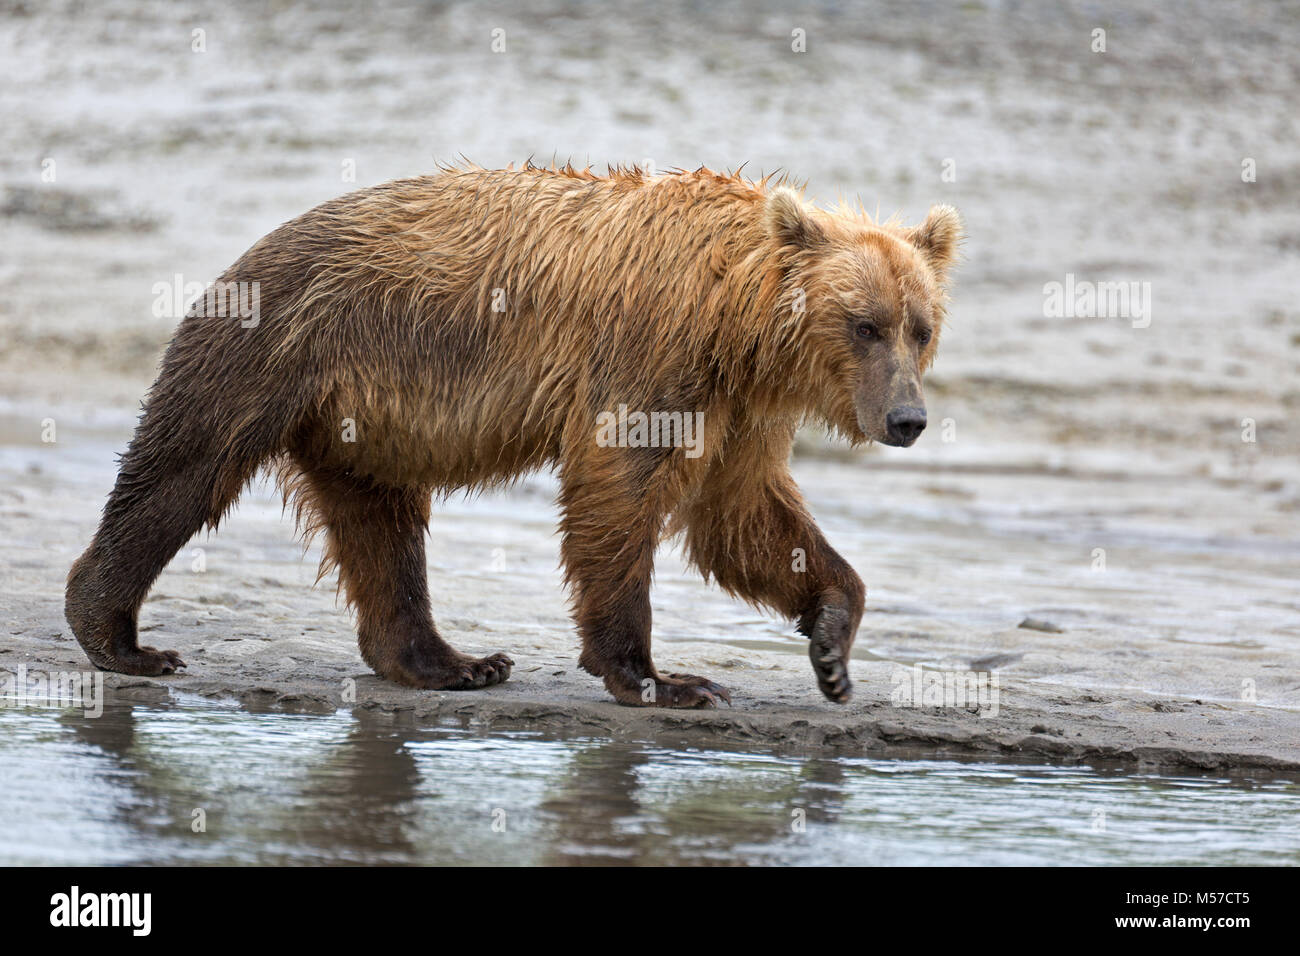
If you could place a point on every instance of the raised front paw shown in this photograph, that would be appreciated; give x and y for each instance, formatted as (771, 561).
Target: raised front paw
(828, 648)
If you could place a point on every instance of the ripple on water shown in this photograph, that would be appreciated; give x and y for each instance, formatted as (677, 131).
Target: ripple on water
(129, 786)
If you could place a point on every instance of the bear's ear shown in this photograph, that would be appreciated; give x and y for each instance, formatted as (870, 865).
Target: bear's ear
(790, 221)
(937, 238)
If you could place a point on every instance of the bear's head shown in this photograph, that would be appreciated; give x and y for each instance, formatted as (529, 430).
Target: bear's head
(867, 301)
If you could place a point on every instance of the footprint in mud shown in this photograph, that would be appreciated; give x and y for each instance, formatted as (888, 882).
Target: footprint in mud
(992, 662)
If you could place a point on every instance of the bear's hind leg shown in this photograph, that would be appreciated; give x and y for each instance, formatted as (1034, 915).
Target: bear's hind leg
(375, 536)
(171, 483)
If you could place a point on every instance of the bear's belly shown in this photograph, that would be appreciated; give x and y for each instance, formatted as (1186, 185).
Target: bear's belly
(444, 442)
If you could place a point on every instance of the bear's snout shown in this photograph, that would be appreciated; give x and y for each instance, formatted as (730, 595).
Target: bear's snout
(903, 425)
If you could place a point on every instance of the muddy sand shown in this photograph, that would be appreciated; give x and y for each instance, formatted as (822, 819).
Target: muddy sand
(1110, 668)
(1129, 487)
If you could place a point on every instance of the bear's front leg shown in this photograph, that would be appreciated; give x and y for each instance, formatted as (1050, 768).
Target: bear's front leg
(615, 633)
(609, 537)
(749, 529)
(830, 627)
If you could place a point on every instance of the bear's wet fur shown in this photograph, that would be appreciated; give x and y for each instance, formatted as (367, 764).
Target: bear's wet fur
(457, 331)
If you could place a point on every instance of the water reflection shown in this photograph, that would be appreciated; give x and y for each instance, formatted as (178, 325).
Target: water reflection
(638, 807)
(194, 782)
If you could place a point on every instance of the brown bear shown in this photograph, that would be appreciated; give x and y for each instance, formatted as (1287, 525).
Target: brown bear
(457, 330)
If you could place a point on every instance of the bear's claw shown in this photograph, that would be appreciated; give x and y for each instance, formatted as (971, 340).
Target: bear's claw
(482, 672)
(710, 692)
(460, 672)
(144, 661)
(827, 650)
(681, 691)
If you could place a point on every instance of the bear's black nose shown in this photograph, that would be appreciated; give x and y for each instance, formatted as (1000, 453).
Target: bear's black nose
(904, 424)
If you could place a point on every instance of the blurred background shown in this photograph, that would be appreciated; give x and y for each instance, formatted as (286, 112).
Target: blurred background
(1105, 513)
(180, 133)
(144, 141)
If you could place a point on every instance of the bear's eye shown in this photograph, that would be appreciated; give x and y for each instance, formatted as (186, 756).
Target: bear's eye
(867, 330)
(924, 336)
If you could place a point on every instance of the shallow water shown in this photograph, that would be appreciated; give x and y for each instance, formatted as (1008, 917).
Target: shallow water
(128, 787)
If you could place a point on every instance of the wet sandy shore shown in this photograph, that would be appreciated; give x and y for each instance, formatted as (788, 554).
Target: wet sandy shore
(1112, 668)
(1093, 475)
